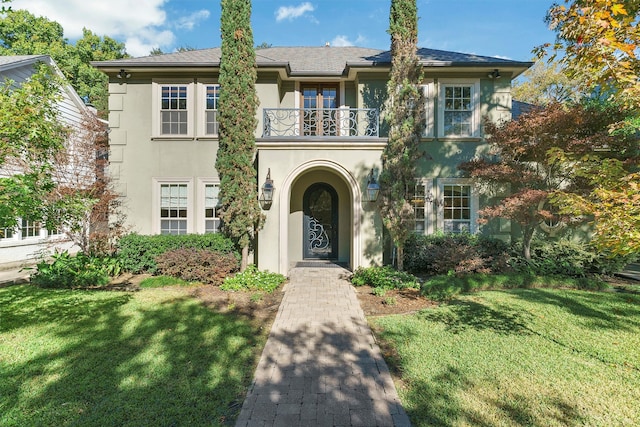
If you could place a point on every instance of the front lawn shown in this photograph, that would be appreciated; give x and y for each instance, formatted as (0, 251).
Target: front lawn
(96, 358)
(540, 357)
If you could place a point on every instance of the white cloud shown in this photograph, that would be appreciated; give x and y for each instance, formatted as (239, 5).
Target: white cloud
(341, 41)
(141, 24)
(189, 22)
(292, 12)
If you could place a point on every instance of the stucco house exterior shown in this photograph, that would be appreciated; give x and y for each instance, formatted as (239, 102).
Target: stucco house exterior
(319, 137)
(30, 241)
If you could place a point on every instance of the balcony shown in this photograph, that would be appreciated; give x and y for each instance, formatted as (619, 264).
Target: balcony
(322, 122)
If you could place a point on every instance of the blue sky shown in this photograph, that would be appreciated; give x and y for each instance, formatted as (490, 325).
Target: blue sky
(502, 28)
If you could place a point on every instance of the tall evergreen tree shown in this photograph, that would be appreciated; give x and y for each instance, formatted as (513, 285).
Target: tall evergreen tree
(240, 210)
(405, 116)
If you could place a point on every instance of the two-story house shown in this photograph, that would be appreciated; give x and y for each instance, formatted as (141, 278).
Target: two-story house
(319, 141)
(30, 240)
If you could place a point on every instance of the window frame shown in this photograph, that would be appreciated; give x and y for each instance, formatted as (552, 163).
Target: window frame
(156, 122)
(474, 200)
(474, 84)
(201, 204)
(428, 206)
(201, 110)
(157, 201)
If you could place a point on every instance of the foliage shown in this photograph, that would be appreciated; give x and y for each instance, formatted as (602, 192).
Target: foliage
(138, 253)
(567, 258)
(153, 357)
(405, 120)
(458, 253)
(162, 281)
(73, 271)
(445, 287)
(252, 279)
(537, 155)
(199, 265)
(30, 137)
(240, 211)
(541, 357)
(546, 83)
(598, 43)
(384, 278)
(22, 33)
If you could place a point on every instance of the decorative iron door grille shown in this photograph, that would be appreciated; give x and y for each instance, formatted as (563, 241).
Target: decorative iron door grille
(320, 225)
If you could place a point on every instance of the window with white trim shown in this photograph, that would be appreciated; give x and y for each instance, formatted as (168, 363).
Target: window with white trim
(458, 206)
(459, 112)
(174, 204)
(212, 99)
(29, 228)
(7, 232)
(174, 110)
(211, 204)
(421, 200)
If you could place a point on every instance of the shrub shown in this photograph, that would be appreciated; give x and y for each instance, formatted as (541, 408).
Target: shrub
(567, 258)
(138, 253)
(202, 265)
(72, 271)
(384, 278)
(446, 287)
(253, 279)
(459, 253)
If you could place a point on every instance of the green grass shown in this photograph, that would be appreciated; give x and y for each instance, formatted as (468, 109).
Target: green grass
(539, 357)
(162, 281)
(151, 358)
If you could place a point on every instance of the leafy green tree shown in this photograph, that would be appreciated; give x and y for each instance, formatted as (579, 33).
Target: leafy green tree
(406, 124)
(546, 83)
(598, 43)
(30, 137)
(22, 33)
(240, 212)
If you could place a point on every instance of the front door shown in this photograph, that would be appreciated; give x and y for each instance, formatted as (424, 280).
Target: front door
(320, 233)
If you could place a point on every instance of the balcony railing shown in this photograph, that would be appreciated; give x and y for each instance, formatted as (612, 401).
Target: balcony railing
(330, 122)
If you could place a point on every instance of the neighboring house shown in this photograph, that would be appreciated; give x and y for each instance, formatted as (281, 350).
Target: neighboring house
(320, 135)
(29, 241)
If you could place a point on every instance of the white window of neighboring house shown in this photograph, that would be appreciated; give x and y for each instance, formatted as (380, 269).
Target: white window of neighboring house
(428, 90)
(458, 206)
(211, 219)
(30, 229)
(459, 112)
(7, 233)
(174, 107)
(174, 208)
(212, 99)
(421, 199)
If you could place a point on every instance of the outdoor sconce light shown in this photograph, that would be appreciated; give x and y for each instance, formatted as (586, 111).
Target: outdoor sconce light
(122, 74)
(373, 188)
(266, 197)
(495, 74)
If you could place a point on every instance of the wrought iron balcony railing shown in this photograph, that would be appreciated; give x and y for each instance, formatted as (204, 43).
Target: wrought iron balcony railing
(333, 122)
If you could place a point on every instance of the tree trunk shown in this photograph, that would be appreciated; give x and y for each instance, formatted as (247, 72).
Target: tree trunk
(245, 258)
(527, 237)
(400, 257)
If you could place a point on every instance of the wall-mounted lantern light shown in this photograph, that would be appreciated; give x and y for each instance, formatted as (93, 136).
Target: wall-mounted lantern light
(495, 74)
(373, 188)
(266, 196)
(123, 75)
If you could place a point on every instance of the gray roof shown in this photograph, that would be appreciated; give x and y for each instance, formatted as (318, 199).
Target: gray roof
(10, 61)
(313, 60)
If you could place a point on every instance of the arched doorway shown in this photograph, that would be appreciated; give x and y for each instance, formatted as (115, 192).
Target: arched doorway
(320, 225)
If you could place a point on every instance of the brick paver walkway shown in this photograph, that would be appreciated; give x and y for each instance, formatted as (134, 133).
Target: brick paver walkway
(321, 365)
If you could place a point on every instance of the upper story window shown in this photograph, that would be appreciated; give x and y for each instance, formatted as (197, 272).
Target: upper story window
(459, 112)
(212, 99)
(174, 108)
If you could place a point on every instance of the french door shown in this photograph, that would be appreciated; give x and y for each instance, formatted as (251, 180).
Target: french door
(319, 110)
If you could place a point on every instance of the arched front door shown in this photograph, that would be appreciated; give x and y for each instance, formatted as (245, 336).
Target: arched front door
(320, 225)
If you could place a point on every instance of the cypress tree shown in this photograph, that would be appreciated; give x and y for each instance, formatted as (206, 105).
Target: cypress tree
(240, 211)
(405, 117)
